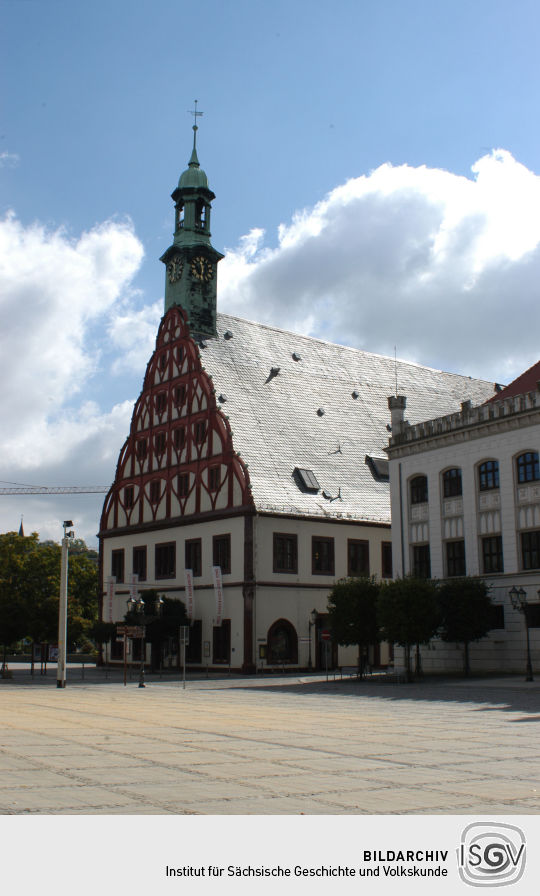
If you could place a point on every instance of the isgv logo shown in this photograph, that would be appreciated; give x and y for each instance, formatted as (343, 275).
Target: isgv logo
(491, 854)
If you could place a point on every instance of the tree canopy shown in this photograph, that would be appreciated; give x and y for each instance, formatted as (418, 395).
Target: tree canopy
(408, 613)
(30, 586)
(466, 612)
(352, 613)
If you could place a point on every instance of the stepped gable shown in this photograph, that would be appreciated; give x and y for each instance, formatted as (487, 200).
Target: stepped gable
(178, 460)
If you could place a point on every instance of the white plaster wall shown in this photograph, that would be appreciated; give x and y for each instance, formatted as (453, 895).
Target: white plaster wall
(500, 650)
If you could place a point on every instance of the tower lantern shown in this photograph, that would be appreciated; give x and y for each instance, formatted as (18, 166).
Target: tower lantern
(191, 261)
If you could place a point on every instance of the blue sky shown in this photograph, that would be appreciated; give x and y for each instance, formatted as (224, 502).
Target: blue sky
(340, 141)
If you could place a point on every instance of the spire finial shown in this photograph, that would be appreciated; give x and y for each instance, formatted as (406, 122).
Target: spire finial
(195, 112)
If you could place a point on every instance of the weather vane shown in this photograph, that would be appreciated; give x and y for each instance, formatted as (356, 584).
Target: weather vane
(195, 112)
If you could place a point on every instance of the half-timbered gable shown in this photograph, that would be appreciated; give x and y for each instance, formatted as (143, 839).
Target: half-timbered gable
(178, 460)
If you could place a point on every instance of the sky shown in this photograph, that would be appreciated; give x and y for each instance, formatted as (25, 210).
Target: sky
(377, 178)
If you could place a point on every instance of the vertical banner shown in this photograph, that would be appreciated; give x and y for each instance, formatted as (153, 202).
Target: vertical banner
(189, 593)
(111, 582)
(133, 582)
(218, 590)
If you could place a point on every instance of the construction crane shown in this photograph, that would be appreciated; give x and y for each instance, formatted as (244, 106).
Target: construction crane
(15, 488)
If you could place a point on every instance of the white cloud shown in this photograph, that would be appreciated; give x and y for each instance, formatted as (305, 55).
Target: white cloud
(133, 334)
(445, 267)
(9, 159)
(54, 291)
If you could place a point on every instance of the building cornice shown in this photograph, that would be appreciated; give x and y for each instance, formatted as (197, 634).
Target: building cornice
(469, 424)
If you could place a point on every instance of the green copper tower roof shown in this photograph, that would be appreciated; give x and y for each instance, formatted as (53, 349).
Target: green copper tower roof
(193, 176)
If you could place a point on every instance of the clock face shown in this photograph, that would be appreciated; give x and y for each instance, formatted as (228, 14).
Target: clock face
(201, 268)
(174, 269)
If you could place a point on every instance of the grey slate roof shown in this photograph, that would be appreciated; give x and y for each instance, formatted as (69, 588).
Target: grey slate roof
(278, 426)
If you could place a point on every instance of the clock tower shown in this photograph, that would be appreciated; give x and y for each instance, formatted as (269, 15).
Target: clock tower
(191, 261)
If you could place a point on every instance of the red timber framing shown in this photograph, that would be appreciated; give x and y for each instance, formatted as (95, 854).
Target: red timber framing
(178, 459)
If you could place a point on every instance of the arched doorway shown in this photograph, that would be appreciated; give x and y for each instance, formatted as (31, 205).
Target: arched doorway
(282, 643)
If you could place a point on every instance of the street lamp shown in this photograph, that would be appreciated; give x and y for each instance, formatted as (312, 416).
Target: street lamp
(313, 616)
(137, 607)
(62, 609)
(518, 596)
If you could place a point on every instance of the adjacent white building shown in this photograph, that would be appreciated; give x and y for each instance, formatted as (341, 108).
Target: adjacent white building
(465, 496)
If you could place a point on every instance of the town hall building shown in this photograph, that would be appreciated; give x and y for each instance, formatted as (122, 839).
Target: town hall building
(254, 475)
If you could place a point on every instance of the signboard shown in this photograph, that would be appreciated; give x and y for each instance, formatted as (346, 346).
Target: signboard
(325, 635)
(133, 582)
(131, 631)
(189, 592)
(218, 590)
(111, 582)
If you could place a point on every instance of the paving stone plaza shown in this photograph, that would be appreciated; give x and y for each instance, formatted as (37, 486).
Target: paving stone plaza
(261, 746)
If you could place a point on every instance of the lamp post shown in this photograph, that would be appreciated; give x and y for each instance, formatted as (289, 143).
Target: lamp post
(518, 596)
(312, 621)
(137, 607)
(62, 609)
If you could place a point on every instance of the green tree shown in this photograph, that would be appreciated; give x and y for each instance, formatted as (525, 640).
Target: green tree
(352, 614)
(30, 586)
(466, 612)
(13, 552)
(409, 614)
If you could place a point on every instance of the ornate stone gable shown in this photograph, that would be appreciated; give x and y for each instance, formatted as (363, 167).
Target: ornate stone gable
(178, 460)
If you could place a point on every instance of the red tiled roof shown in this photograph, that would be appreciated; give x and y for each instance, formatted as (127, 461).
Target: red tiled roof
(525, 382)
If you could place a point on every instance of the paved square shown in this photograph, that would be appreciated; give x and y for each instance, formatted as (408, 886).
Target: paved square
(288, 745)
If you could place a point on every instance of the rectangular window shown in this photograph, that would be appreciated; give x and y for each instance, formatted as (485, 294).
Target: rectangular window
(492, 554)
(161, 402)
(214, 478)
(183, 485)
(180, 394)
(488, 475)
(128, 497)
(497, 616)
(421, 566)
(530, 549)
(322, 556)
(222, 642)
(141, 449)
(533, 615)
(117, 565)
(179, 438)
(200, 431)
(357, 558)
(194, 556)
(386, 560)
(285, 553)
(221, 550)
(455, 558)
(163, 361)
(452, 483)
(139, 563)
(155, 491)
(165, 560)
(161, 442)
